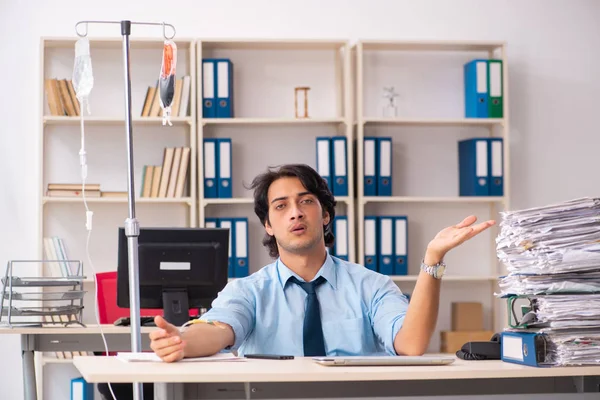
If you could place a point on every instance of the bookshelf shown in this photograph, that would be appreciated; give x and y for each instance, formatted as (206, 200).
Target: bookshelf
(430, 120)
(64, 215)
(264, 129)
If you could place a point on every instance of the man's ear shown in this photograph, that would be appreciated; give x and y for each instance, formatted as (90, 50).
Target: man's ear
(325, 218)
(268, 228)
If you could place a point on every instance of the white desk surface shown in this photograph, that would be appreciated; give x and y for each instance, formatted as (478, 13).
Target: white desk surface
(300, 369)
(72, 329)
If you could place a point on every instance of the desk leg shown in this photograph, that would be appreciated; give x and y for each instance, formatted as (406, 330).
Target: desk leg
(168, 391)
(29, 382)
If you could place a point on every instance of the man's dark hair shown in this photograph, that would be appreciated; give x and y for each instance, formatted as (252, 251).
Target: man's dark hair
(310, 179)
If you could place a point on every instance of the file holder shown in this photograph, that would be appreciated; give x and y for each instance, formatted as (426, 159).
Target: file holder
(40, 306)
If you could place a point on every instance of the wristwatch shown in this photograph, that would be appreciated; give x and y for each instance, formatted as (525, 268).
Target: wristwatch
(437, 270)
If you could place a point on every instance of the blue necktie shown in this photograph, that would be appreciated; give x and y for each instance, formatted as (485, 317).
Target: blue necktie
(314, 344)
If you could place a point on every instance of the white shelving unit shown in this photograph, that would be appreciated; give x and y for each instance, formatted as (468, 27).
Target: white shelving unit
(429, 79)
(105, 144)
(264, 129)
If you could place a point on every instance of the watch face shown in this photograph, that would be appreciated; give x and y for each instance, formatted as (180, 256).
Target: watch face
(440, 271)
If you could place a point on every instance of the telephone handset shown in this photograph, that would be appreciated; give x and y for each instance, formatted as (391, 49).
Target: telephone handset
(481, 350)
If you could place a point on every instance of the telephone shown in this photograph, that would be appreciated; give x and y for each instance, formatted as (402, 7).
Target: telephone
(481, 350)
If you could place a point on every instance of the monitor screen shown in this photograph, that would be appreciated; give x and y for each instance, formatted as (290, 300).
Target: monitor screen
(184, 267)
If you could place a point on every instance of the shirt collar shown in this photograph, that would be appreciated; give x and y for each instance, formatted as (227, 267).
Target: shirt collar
(327, 271)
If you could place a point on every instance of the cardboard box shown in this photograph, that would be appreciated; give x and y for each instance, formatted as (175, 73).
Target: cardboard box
(467, 316)
(452, 341)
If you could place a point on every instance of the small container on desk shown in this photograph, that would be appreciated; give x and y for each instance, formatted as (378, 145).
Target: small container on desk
(42, 300)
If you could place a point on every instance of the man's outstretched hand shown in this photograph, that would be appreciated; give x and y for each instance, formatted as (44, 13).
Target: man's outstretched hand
(453, 236)
(166, 341)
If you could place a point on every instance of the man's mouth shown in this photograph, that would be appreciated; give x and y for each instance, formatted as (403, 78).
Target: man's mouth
(298, 229)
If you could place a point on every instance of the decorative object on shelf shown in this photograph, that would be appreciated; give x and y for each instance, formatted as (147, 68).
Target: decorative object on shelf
(303, 90)
(390, 109)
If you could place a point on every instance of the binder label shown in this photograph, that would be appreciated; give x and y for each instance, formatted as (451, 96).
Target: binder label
(401, 237)
(223, 78)
(209, 80)
(496, 158)
(341, 240)
(225, 159)
(512, 347)
(482, 160)
(339, 149)
(495, 80)
(369, 158)
(386, 158)
(323, 154)
(209, 160)
(481, 72)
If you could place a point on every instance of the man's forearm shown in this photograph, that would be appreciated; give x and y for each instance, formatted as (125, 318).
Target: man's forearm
(205, 339)
(421, 316)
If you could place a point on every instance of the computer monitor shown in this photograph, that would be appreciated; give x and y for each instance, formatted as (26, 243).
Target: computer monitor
(179, 269)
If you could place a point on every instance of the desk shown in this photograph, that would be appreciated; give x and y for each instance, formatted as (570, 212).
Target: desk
(72, 338)
(302, 378)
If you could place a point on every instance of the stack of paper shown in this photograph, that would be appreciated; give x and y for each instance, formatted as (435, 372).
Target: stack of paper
(552, 255)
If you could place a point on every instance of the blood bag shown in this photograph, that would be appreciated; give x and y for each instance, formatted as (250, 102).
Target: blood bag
(167, 79)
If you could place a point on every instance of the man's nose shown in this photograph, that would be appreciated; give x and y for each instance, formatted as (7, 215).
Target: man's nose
(297, 213)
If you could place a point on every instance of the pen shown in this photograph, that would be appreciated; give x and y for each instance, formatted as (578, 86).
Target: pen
(269, 356)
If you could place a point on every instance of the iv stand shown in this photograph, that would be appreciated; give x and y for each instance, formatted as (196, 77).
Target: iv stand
(132, 228)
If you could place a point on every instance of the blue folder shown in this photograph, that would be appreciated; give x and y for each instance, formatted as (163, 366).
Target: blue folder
(224, 78)
(496, 163)
(241, 268)
(211, 168)
(401, 245)
(386, 245)
(476, 88)
(339, 166)
(384, 166)
(225, 165)
(473, 171)
(227, 223)
(370, 166)
(371, 242)
(209, 88)
(526, 348)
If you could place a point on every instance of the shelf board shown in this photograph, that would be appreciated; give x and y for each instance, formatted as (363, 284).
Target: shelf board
(270, 121)
(435, 121)
(272, 44)
(451, 278)
(176, 200)
(116, 42)
(250, 200)
(234, 200)
(54, 360)
(426, 45)
(432, 199)
(59, 120)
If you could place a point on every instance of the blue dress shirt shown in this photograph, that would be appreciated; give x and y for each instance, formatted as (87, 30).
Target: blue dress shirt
(361, 310)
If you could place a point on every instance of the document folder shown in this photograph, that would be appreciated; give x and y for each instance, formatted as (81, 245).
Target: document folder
(473, 167)
(209, 109)
(496, 156)
(371, 242)
(210, 169)
(324, 159)
(495, 89)
(476, 88)
(370, 162)
(224, 88)
(401, 245)
(224, 149)
(340, 166)
(241, 247)
(526, 348)
(227, 223)
(384, 168)
(386, 250)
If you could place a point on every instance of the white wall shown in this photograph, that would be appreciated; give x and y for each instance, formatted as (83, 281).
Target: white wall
(552, 51)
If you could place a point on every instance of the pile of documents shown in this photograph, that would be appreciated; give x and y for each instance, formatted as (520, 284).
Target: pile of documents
(552, 255)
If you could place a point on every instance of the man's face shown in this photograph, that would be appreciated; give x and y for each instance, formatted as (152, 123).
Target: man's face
(295, 215)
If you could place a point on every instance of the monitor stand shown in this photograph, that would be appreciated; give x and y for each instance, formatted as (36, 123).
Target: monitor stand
(176, 307)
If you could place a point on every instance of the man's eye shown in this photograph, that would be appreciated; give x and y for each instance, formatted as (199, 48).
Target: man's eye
(279, 207)
(308, 200)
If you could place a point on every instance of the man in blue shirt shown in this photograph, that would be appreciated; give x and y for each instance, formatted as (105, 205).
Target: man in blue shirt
(307, 302)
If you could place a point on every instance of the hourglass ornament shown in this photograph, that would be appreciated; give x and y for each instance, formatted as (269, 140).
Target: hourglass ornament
(303, 90)
(390, 109)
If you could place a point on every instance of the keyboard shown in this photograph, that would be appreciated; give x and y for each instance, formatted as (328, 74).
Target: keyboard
(126, 321)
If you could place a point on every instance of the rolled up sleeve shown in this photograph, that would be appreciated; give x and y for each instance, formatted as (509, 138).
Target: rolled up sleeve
(235, 305)
(388, 309)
